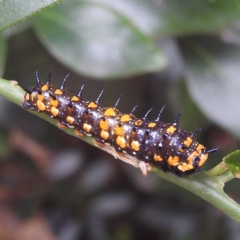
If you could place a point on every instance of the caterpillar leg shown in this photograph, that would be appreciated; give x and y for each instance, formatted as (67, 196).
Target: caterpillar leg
(144, 167)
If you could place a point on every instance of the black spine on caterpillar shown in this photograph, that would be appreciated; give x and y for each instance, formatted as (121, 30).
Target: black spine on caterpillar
(122, 134)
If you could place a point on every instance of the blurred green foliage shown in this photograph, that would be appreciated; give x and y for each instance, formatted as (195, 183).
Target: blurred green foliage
(181, 53)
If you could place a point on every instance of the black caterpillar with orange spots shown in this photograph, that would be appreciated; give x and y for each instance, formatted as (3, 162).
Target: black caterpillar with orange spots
(137, 141)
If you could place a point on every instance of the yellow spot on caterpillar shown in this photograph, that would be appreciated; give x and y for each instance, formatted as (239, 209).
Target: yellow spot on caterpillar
(185, 167)
(192, 155)
(70, 119)
(40, 97)
(200, 147)
(171, 130)
(92, 105)
(157, 158)
(104, 124)
(54, 111)
(138, 122)
(26, 97)
(32, 97)
(203, 156)
(190, 158)
(152, 124)
(104, 134)
(74, 98)
(87, 127)
(125, 118)
(121, 142)
(188, 141)
(135, 145)
(203, 159)
(119, 131)
(181, 150)
(41, 106)
(58, 92)
(110, 112)
(173, 161)
(44, 87)
(54, 103)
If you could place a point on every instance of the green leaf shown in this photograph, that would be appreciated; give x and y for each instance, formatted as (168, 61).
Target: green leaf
(96, 40)
(232, 161)
(184, 16)
(213, 79)
(13, 12)
(3, 51)
(112, 39)
(176, 17)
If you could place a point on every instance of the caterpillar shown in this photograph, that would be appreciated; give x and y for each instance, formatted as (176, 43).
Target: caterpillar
(137, 141)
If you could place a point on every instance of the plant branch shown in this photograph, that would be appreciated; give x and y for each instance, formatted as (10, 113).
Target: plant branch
(226, 176)
(207, 187)
(218, 170)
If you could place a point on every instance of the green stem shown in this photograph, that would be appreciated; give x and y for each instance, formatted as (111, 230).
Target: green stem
(11, 91)
(218, 170)
(208, 186)
(225, 177)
